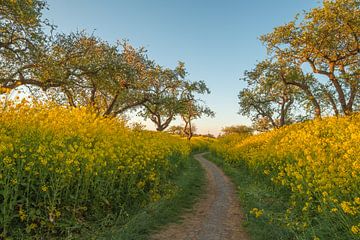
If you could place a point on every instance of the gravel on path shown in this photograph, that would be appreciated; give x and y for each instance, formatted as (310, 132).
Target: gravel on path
(217, 215)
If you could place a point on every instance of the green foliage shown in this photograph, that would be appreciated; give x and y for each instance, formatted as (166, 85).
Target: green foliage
(163, 96)
(191, 108)
(239, 129)
(324, 39)
(277, 92)
(327, 39)
(21, 38)
(79, 69)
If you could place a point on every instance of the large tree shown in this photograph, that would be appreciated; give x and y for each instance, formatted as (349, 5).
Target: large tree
(327, 39)
(84, 70)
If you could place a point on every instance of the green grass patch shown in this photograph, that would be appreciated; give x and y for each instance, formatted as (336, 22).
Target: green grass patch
(187, 187)
(257, 192)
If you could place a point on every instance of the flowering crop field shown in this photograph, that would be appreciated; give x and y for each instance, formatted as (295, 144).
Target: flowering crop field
(60, 167)
(200, 143)
(317, 161)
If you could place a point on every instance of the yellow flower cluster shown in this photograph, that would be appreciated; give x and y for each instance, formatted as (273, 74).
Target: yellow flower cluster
(318, 161)
(257, 212)
(58, 164)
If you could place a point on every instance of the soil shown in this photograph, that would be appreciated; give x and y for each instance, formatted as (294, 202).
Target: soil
(216, 216)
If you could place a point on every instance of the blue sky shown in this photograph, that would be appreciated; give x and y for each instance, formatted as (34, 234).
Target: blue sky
(217, 40)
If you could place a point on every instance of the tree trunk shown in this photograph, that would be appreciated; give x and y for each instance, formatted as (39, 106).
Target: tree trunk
(353, 89)
(341, 95)
(70, 97)
(187, 128)
(111, 106)
(282, 112)
(331, 75)
(190, 131)
(163, 126)
(308, 92)
(160, 126)
(332, 102)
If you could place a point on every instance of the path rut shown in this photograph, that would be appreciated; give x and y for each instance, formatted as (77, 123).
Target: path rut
(217, 215)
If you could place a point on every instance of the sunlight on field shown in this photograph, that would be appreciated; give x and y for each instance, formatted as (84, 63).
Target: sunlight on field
(62, 166)
(316, 160)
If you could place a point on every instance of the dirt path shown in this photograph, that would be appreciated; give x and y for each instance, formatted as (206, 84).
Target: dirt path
(215, 217)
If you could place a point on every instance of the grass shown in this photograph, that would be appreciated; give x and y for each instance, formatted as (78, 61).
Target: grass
(139, 226)
(255, 192)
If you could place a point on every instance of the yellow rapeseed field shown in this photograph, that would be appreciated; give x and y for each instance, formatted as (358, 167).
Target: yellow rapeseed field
(200, 143)
(61, 166)
(318, 161)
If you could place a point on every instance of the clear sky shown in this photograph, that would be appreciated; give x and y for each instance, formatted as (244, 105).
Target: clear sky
(217, 40)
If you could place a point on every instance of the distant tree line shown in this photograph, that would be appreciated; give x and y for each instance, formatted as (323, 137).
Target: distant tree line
(79, 69)
(312, 69)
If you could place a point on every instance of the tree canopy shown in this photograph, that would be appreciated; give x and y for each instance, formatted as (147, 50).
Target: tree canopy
(313, 62)
(238, 129)
(80, 69)
(327, 39)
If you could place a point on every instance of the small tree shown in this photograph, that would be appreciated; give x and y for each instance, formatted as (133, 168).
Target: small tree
(191, 108)
(238, 129)
(163, 96)
(176, 130)
(262, 124)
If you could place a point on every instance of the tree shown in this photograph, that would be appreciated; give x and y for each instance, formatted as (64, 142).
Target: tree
(177, 130)
(131, 81)
(21, 41)
(267, 95)
(163, 95)
(262, 124)
(170, 94)
(90, 72)
(74, 68)
(327, 39)
(79, 69)
(191, 108)
(294, 76)
(239, 129)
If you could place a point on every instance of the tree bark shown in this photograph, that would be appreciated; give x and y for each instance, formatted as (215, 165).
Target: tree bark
(332, 102)
(282, 112)
(70, 97)
(111, 105)
(308, 92)
(345, 107)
